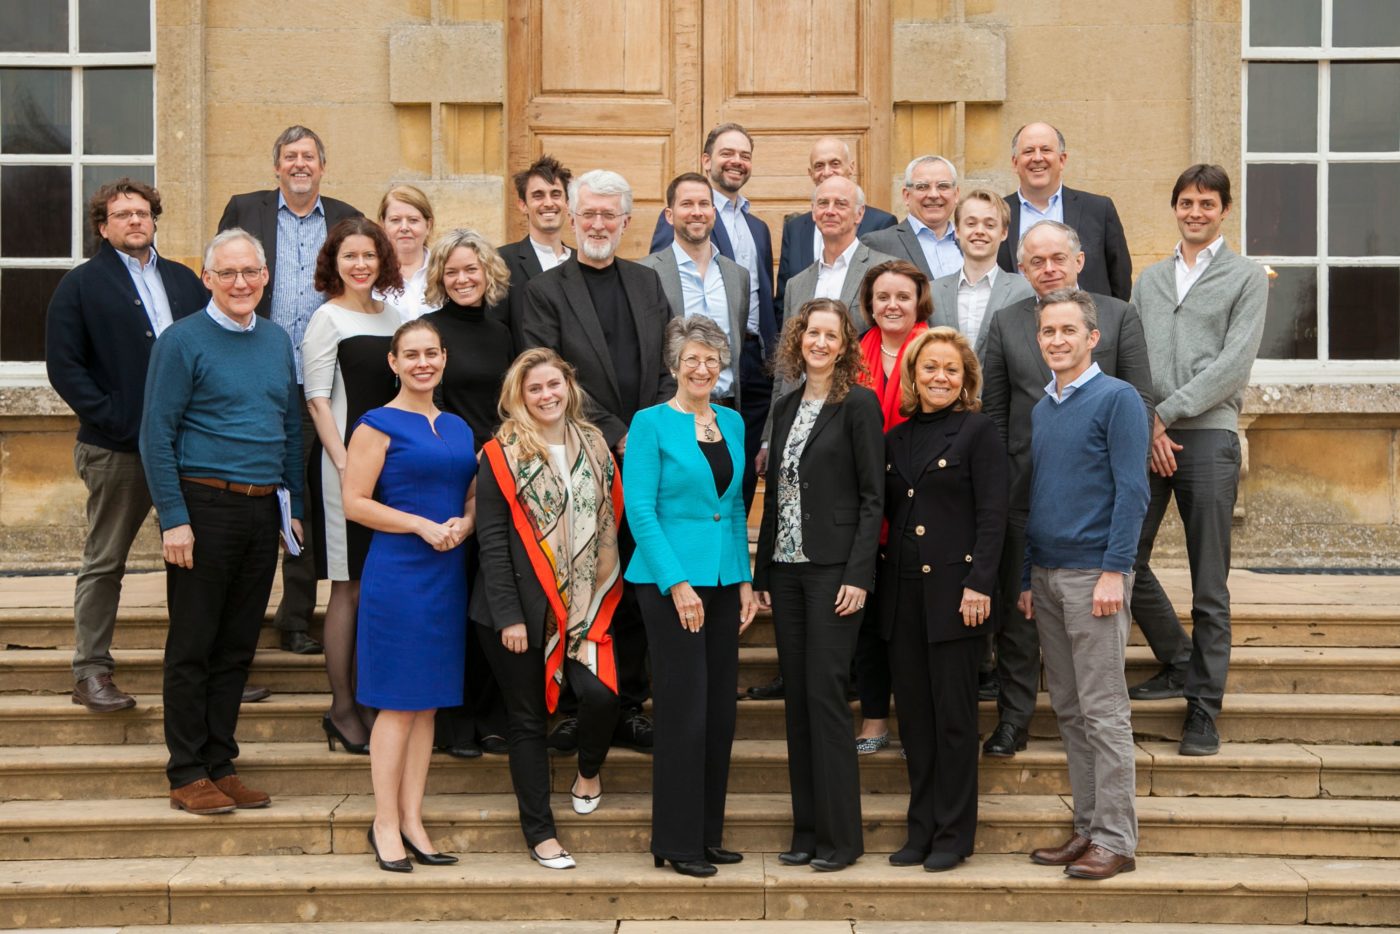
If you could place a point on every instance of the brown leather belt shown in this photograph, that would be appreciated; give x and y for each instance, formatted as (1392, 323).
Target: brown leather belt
(246, 489)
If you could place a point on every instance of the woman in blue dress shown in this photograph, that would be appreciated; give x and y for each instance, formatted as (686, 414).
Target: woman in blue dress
(409, 477)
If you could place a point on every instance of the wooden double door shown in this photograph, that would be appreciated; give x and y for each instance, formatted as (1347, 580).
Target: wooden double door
(634, 86)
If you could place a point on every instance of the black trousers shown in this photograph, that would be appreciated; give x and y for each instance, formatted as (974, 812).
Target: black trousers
(694, 701)
(872, 668)
(216, 609)
(935, 686)
(521, 677)
(1018, 642)
(756, 394)
(815, 647)
(299, 571)
(482, 711)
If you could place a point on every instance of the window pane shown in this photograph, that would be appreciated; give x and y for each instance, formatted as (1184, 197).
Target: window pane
(1361, 217)
(1281, 210)
(1365, 106)
(1282, 107)
(118, 113)
(1285, 22)
(34, 26)
(36, 217)
(1290, 327)
(1363, 313)
(24, 302)
(114, 26)
(94, 177)
(36, 107)
(1365, 22)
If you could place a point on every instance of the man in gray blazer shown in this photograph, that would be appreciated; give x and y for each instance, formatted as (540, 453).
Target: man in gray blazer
(926, 236)
(1014, 378)
(968, 298)
(698, 279)
(838, 204)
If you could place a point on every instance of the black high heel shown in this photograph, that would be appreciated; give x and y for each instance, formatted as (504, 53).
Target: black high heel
(333, 733)
(687, 867)
(388, 865)
(427, 859)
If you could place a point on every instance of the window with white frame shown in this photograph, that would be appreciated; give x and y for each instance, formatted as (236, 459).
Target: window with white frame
(1322, 179)
(77, 109)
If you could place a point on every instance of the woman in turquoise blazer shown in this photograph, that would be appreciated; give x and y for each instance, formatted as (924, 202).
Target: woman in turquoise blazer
(682, 487)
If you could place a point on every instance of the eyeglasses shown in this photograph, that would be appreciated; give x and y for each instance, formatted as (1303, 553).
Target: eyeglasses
(606, 217)
(693, 362)
(125, 216)
(943, 187)
(229, 276)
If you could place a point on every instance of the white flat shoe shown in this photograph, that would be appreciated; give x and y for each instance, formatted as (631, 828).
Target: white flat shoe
(562, 861)
(585, 804)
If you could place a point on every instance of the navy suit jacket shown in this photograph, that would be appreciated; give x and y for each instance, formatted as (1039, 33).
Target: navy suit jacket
(1108, 267)
(98, 343)
(256, 212)
(799, 232)
(664, 235)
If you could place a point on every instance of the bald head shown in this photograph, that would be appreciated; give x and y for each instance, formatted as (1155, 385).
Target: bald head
(830, 156)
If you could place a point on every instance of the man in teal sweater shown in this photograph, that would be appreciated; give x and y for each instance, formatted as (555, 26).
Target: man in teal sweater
(221, 431)
(1203, 315)
(1088, 497)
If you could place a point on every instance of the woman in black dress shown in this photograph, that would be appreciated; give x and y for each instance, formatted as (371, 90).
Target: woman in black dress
(468, 282)
(946, 502)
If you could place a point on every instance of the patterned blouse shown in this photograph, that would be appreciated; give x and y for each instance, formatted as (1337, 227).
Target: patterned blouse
(788, 546)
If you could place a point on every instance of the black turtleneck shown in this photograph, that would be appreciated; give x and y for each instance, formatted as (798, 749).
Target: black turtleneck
(479, 351)
(620, 330)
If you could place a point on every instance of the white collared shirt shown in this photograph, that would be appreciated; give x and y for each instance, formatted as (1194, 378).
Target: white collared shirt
(973, 298)
(150, 289)
(547, 257)
(707, 297)
(943, 254)
(731, 215)
(227, 323)
(1187, 276)
(1080, 380)
(410, 300)
(831, 279)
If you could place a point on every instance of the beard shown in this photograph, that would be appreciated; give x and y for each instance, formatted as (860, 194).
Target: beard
(598, 251)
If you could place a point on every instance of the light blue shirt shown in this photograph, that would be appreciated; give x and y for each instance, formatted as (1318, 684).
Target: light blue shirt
(1069, 390)
(943, 253)
(1031, 215)
(731, 215)
(294, 299)
(150, 288)
(227, 323)
(706, 297)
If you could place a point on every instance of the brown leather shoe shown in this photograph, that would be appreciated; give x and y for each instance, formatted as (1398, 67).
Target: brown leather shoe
(1098, 863)
(242, 795)
(1061, 855)
(201, 797)
(100, 695)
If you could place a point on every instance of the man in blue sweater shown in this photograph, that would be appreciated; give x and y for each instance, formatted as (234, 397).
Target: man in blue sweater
(220, 433)
(1089, 444)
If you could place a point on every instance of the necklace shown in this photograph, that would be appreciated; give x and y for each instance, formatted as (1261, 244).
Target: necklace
(892, 354)
(706, 428)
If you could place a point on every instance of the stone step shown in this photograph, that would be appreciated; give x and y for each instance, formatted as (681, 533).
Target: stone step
(487, 887)
(719, 927)
(1253, 670)
(754, 823)
(1266, 770)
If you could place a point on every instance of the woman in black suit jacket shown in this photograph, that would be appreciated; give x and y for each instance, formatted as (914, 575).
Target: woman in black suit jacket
(815, 565)
(946, 501)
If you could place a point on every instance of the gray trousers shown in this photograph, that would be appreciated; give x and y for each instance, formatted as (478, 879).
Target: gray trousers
(1084, 666)
(299, 572)
(117, 504)
(1205, 485)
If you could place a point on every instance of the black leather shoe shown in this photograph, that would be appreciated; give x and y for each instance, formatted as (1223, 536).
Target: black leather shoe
(941, 862)
(773, 690)
(495, 745)
(1006, 740)
(1167, 682)
(635, 732)
(252, 693)
(299, 643)
(722, 857)
(564, 737)
(1198, 734)
(907, 856)
(827, 865)
(795, 858)
(462, 751)
(988, 685)
(388, 865)
(427, 859)
(688, 867)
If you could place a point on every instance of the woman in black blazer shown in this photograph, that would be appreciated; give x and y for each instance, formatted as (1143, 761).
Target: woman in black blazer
(816, 564)
(946, 501)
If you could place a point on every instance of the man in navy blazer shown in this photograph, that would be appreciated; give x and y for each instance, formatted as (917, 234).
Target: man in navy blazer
(830, 156)
(103, 320)
(291, 222)
(1038, 155)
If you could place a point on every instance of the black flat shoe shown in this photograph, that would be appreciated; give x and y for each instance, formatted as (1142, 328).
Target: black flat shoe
(333, 734)
(941, 862)
(427, 859)
(687, 867)
(828, 865)
(299, 643)
(388, 865)
(795, 858)
(461, 751)
(722, 857)
(773, 690)
(908, 856)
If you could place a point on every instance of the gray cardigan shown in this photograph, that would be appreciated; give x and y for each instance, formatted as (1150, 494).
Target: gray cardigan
(1202, 349)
